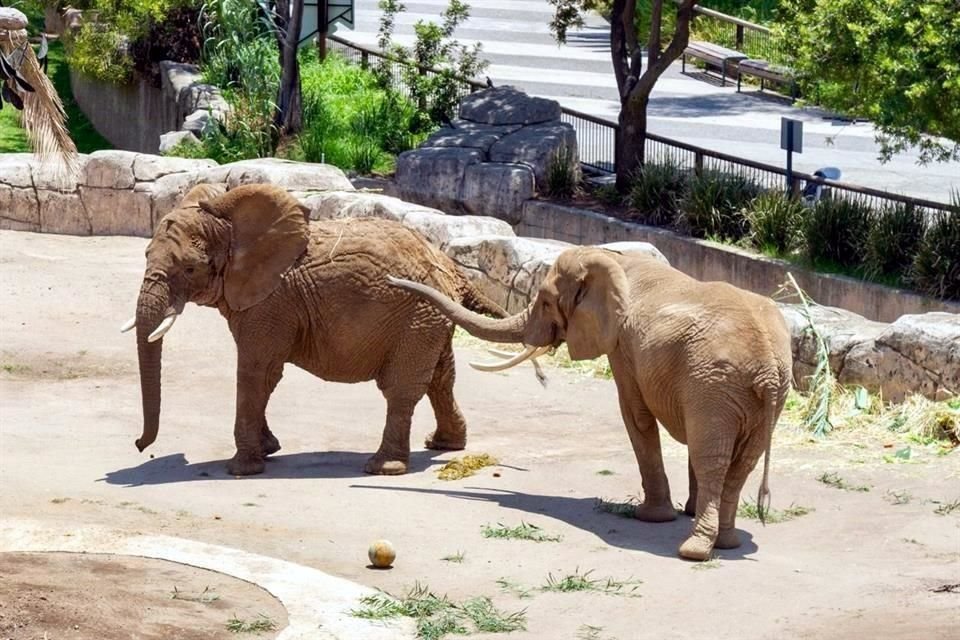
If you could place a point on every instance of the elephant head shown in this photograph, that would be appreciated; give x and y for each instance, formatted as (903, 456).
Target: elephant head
(580, 302)
(222, 249)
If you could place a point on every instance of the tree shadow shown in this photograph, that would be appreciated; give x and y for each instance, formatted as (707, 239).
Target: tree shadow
(175, 468)
(660, 539)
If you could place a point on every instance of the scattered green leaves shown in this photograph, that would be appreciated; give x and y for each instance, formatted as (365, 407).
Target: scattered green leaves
(456, 558)
(577, 581)
(749, 511)
(206, 596)
(946, 508)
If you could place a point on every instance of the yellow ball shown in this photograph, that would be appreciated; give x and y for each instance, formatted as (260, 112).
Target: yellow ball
(381, 554)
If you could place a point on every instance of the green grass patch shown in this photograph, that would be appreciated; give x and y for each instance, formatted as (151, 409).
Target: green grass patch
(438, 616)
(623, 509)
(834, 480)
(81, 131)
(577, 581)
(946, 508)
(525, 531)
(749, 511)
(712, 563)
(456, 558)
(258, 625)
(514, 588)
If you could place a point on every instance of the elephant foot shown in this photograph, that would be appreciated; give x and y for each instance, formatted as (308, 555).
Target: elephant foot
(385, 466)
(691, 507)
(446, 442)
(727, 539)
(269, 444)
(655, 513)
(245, 465)
(696, 548)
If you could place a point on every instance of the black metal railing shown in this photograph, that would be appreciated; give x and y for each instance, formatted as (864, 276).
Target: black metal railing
(755, 40)
(597, 143)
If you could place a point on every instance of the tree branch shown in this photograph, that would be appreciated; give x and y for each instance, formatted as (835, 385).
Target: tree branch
(653, 42)
(618, 46)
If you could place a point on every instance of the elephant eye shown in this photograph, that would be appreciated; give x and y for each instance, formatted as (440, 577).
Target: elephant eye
(189, 271)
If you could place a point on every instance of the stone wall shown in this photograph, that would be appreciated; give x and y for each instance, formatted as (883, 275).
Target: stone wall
(124, 193)
(134, 116)
(706, 260)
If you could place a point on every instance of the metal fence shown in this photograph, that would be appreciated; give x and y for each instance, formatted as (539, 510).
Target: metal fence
(597, 143)
(755, 40)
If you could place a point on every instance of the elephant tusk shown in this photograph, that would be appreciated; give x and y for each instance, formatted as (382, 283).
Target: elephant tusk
(537, 369)
(161, 330)
(129, 324)
(526, 354)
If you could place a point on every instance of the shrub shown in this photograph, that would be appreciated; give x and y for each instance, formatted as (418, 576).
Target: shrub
(775, 221)
(836, 231)
(936, 268)
(100, 52)
(175, 37)
(563, 174)
(713, 206)
(893, 240)
(656, 192)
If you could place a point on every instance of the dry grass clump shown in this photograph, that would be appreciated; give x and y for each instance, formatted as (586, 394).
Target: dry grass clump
(466, 466)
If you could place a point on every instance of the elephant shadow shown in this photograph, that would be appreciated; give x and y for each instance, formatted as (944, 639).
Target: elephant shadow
(660, 539)
(174, 468)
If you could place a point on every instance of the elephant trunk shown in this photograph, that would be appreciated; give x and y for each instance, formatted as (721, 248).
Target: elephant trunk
(508, 329)
(152, 306)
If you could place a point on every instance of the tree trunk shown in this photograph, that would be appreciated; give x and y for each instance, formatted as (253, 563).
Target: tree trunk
(631, 146)
(289, 115)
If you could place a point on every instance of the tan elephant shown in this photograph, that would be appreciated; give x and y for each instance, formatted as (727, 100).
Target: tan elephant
(311, 294)
(707, 360)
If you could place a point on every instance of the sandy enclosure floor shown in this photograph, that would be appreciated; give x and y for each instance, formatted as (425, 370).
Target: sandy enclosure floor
(858, 565)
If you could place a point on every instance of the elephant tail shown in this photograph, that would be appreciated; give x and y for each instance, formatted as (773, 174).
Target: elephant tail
(773, 393)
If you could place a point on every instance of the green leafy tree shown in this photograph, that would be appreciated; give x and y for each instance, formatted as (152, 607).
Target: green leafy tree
(666, 26)
(895, 62)
(438, 91)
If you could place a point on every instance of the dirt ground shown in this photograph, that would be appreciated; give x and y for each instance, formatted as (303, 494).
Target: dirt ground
(860, 564)
(103, 597)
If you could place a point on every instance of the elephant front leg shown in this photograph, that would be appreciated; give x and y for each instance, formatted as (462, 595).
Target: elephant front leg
(645, 438)
(392, 457)
(250, 431)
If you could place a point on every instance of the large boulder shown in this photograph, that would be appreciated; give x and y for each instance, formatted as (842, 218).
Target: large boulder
(536, 146)
(915, 354)
(507, 105)
(293, 176)
(110, 170)
(439, 228)
(434, 176)
(464, 133)
(496, 189)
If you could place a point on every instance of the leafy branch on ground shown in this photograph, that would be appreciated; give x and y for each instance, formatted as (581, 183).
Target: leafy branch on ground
(577, 581)
(749, 511)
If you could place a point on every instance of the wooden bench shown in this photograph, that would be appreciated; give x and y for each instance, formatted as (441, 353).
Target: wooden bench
(766, 71)
(713, 54)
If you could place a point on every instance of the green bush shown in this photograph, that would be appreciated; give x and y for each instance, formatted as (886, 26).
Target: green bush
(102, 49)
(893, 241)
(836, 231)
(776, 222)
(349, 120)
(563, 174)
(656, 192)
(936, 268)
(713, 206)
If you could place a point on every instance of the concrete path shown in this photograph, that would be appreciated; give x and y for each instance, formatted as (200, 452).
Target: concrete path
(856, 566)
(518, 44)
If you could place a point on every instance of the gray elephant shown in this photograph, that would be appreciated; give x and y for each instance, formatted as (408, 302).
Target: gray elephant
(709, 361)
(311, 294)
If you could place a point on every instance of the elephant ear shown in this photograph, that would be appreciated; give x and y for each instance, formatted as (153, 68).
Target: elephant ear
(269, 231)
(592, 299)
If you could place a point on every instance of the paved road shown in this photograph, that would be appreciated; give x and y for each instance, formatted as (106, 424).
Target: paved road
(517, 41)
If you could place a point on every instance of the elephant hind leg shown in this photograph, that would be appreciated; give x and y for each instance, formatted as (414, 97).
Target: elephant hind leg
(711, 447)
(743, 463)
(691, 507)
(451, 431)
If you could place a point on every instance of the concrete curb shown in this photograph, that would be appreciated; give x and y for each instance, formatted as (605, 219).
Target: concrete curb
(317, 604)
